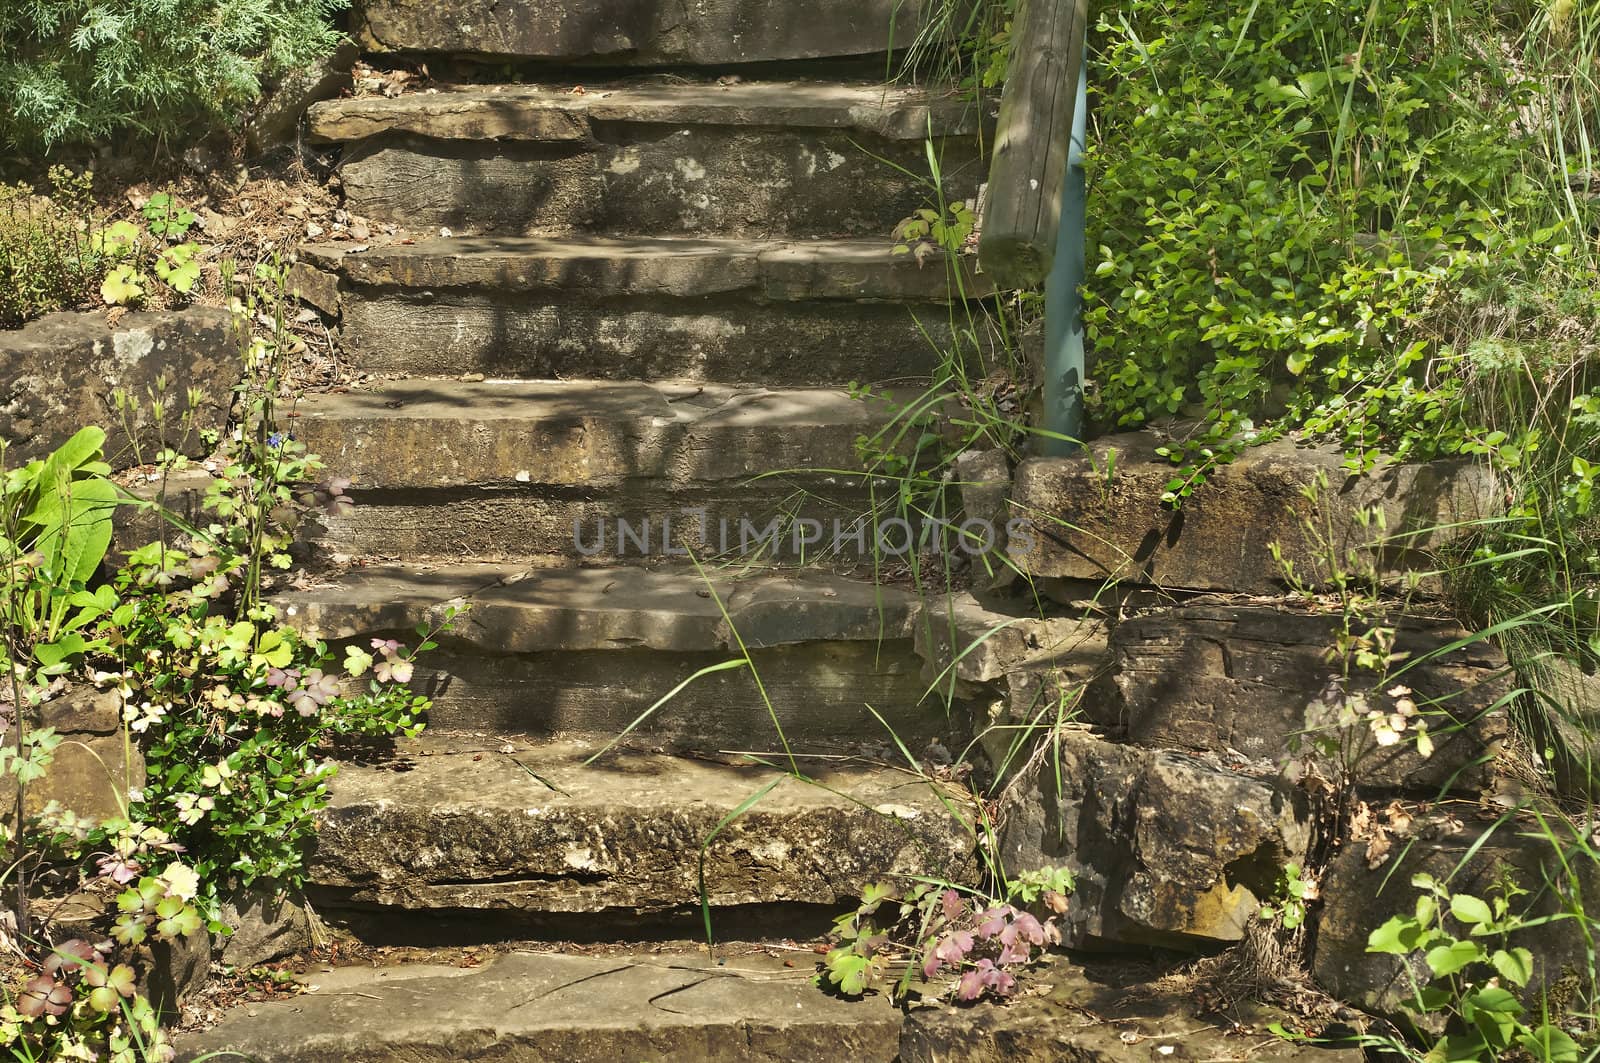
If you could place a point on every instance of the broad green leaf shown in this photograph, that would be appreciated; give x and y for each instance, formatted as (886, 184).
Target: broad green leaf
(1548, 1044)
(1397, 937)
(1514, 965)
(273, 650)
(52, 654)
(849, 971)
(121, 287)
(1448, 959)
(1471, 910)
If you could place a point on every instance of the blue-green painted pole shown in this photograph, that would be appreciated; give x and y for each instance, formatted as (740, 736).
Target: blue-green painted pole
(1063, 307)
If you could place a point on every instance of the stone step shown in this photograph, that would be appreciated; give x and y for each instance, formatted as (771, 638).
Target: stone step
(751, 158)
(639, 32)
(587, 651)
(803, 313)
(673, 1003)
(459, 823)
(641, 1004)
(521, 468)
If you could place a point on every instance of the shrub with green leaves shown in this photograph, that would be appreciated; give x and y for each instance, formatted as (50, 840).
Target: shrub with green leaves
(1372, 222)
(1346, 207)
(72, 71)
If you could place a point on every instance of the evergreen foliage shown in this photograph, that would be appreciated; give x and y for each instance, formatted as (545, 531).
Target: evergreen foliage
(73, 71)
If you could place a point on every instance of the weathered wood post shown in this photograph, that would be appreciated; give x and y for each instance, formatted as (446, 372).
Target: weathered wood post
(1034, 215)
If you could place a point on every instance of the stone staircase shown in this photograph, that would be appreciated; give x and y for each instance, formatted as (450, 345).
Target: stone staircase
(617, 296)
(628, 296)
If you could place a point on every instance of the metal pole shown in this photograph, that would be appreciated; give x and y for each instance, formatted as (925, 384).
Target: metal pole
(1063, 307)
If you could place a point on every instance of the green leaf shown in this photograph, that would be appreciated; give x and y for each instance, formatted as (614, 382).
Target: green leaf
(1471, 910)
(273, 650)
(1491, 999)
(1448, 959)
(52, 654)
(1397, 937)
(121, 287)
(1547, 1044)
(1514, 965)
(849, 971)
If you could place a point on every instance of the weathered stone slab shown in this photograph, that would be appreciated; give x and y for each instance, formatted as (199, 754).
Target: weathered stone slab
(556, 113)
(760, 159)
(644, 1005)
(732, 340)
(585, 526)
(314, 287)
(640, 32)
(1258, 679)
(819, 692)
(602, 267)
(1358, 899)
(571, 609)
(1567, 711)
(93, 767)
(1135, 1022)
(537, 831)
(58, 374)
(589, 651)
(1168, 849)
(276, 121)
(828, 312)
(418, 434)
(1091, 525)
(265, 925)
(980, 642)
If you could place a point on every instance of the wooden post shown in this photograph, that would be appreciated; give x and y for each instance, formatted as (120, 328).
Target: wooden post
(1023, 207)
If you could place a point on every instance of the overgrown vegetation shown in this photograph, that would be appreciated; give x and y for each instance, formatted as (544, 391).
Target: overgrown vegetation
(235, 711)
(1483, 1016)
(61, 252)
(1375, 224)
(72, 71)
(1368, 221)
